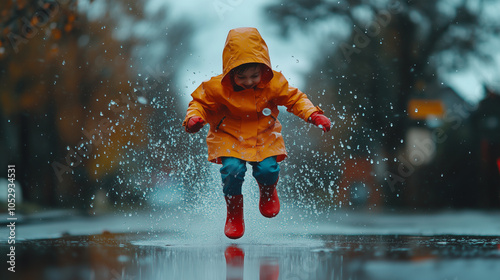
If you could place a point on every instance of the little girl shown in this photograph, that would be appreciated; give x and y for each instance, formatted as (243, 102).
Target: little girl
(241, 106)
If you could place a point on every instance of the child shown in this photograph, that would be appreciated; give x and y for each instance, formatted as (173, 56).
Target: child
(241, 106)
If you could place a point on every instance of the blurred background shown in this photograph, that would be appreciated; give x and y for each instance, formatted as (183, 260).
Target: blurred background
(93, 94)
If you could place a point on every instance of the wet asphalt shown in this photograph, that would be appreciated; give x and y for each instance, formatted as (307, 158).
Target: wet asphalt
(142, 256)
(363, 245)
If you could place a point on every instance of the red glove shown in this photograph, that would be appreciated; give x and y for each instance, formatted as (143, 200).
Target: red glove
(194, 124)
(318, 119)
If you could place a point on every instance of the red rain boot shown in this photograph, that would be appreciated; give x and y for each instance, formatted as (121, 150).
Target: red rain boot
(235, 224)
(269, 203)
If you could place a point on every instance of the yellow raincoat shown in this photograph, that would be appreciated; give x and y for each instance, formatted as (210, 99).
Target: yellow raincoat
(239, 125)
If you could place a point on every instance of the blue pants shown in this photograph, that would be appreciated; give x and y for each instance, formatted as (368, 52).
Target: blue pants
(233, 170)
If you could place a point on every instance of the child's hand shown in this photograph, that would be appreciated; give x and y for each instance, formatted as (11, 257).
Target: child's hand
(320, 121)
(194, 124)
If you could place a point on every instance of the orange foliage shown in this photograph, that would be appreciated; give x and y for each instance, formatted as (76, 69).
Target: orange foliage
(72, 69)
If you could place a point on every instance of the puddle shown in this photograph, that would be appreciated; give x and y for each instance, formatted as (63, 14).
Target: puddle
(165, 256)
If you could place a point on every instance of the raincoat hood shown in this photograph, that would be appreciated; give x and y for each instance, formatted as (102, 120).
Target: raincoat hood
(245, 45)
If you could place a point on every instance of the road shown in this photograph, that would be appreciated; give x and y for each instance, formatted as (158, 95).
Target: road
(294, 245)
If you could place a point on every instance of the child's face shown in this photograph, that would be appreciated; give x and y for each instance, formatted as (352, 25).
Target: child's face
(249, 78)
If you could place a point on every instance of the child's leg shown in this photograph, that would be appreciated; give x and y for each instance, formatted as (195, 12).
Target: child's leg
(232, 173)
(266, 172)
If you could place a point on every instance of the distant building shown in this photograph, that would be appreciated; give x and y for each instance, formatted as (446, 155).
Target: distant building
(437, 151)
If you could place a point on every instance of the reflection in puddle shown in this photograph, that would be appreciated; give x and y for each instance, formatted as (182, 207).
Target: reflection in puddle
(119, 257)
(235, 259)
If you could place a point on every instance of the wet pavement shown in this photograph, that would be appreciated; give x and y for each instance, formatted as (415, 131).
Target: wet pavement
(341, 245)
(142, 256)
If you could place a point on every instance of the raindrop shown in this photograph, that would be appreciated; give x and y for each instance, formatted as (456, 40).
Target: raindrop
(142, 100)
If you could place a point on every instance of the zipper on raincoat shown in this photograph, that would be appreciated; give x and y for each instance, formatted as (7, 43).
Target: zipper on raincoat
(217, 127)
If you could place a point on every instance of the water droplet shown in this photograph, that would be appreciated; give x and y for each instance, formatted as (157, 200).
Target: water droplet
(142, 100)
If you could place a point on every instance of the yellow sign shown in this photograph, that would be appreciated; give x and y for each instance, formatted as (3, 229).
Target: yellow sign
(421, 109)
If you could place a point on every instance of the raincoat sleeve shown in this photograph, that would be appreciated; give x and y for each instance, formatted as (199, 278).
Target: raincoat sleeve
(201, 105)
(294, 100)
